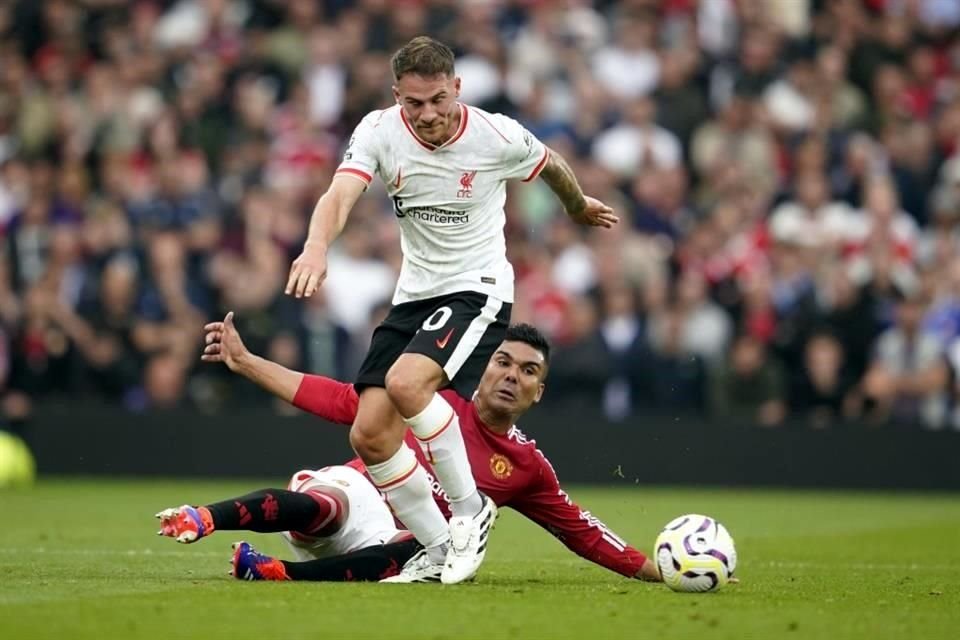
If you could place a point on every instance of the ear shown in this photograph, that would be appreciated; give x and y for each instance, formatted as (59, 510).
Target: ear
(540, 389)
(396, 93)
(456, 86)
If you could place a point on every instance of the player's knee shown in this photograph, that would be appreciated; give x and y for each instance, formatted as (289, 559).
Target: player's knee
(400, 385)
(411, 384)
(298, 479)
(372, 447)
(407, 391)
(359, 441)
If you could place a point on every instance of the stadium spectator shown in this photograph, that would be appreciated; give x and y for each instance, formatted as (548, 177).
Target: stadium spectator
(638, 143)
(851, 313)
(734, 140)
(751, 389)
(703, 329)
(582, 365)
(681, 102)
(673, 379)
(623, 335)
(906, 382)
(824, 395)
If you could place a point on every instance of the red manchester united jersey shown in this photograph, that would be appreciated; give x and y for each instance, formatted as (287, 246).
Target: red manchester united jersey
(507, 467)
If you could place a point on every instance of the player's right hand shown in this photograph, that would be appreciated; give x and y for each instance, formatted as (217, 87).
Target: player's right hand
(307, 272)
(223, 343)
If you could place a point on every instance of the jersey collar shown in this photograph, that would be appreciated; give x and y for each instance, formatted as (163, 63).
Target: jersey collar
(464, 112)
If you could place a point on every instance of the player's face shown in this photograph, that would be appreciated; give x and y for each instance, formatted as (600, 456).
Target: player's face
(430, 105)
(513, 379)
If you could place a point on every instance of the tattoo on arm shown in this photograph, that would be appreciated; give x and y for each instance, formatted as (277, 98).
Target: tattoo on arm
(560, 178)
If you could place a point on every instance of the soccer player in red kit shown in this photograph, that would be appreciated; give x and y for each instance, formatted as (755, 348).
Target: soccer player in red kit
(445, 165)
(507, 466)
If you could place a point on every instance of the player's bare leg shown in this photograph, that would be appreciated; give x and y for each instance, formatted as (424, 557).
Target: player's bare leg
(412, 383)
(377, 437)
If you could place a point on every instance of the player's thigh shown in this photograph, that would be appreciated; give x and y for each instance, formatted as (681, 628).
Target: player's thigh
(378, 429)
(389, 340)
(367, 520)
(360, 498)
(461, 334)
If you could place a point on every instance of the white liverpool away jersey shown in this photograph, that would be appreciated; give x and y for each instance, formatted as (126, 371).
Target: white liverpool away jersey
(447, 199)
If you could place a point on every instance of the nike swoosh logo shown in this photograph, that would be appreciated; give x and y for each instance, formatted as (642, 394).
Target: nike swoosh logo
(442, 344)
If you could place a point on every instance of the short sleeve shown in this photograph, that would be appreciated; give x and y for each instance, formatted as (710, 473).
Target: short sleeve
(361, 157)
(525, 155)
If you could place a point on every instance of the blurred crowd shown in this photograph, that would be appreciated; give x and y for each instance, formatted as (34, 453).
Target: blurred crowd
(787, 174)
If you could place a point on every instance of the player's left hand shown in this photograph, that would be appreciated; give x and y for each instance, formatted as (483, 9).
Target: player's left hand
(595, 214)
(223, 343)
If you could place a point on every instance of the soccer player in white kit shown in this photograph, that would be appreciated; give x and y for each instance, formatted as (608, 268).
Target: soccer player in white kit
(445, 165)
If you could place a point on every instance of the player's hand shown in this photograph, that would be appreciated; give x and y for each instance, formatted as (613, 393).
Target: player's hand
(307, 272)
(595, 214)
(223, 343)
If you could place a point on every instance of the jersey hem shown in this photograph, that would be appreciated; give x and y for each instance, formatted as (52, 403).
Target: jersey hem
(401, 298)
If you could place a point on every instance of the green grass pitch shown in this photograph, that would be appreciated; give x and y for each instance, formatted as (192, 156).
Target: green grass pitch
(80, 559)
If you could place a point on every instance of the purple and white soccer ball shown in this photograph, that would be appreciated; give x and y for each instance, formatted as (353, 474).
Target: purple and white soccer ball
(695, 553)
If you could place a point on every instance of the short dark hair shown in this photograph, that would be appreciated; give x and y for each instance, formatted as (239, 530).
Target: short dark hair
(422, 56)
(529, 334)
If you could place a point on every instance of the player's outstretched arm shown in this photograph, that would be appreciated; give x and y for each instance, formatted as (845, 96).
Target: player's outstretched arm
(581, 208)
(324, 397)
(550, 507)
(329, 216)
(223, 344)
(585, 535)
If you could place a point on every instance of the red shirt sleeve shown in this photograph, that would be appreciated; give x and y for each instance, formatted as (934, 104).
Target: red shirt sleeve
(551, 508)
(328, 398)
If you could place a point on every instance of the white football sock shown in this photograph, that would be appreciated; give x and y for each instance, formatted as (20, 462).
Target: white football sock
(404, 484)
(438, 430)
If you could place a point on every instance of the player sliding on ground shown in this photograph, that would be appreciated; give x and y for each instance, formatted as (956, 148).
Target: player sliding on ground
(445, 165)
(334, 517)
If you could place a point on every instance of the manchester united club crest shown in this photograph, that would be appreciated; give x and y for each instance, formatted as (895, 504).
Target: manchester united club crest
(466, 185)
(500, 466)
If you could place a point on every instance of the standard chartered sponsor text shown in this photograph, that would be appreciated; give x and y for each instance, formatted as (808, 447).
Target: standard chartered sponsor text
(437, 216)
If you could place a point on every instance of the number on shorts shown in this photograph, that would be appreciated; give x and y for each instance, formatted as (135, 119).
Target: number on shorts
(437, 319)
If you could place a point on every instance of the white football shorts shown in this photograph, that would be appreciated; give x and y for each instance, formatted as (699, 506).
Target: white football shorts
(369, 520)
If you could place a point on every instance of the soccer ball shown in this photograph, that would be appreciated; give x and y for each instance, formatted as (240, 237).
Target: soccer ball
(695, 553)
(17, 467)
